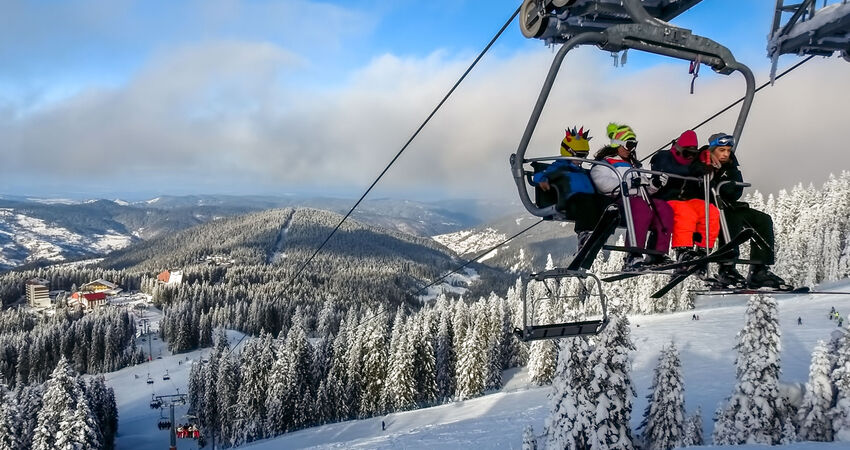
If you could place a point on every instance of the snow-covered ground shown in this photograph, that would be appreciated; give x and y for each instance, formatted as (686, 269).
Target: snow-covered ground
(32, 239)
(137, 422)
(497, 420)
(463, 242)
(452, 284)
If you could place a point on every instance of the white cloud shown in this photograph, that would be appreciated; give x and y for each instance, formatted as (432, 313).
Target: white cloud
(235, 111)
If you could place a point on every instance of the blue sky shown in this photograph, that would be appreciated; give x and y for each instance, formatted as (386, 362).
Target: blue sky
(256, 96)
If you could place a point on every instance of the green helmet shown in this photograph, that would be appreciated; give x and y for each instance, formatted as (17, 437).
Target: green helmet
(619, 134)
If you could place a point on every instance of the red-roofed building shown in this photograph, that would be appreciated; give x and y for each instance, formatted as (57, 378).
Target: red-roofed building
(90, 300)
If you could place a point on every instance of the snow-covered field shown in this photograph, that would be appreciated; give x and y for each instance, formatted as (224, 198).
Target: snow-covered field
(463, 242)
(497, 420)
(452, 284)
(32, 239)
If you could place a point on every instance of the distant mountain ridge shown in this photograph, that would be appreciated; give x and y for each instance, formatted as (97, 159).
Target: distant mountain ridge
(43, 231)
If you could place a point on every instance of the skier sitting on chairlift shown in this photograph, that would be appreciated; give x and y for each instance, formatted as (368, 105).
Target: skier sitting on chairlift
(687, 197)
(738, 216)
(647, 212)
(576, 195)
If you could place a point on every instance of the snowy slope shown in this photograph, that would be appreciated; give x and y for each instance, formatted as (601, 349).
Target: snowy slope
(496, 421)
(25, 239)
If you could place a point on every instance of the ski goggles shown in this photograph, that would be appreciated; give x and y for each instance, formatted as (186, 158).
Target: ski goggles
(723, 141)
(689, 151)
(631, 144)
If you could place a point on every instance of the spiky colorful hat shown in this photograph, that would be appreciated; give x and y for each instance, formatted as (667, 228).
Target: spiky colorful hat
(576, 143)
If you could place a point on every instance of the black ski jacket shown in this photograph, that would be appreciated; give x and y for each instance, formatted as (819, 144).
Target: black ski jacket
(729, 192)
(677, 188)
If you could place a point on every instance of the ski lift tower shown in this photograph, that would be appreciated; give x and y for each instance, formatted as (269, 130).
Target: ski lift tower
(810, 30)
(170, 401)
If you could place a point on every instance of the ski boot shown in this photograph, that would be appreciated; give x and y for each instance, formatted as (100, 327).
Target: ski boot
(657, 260)
(761, 277)
(633, 262)
(729, 277)
(685, 254)
(582, 237)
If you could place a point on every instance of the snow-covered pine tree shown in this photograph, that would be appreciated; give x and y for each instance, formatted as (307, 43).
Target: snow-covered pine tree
(514, 300)
(58, 405)
(227, 392)
(570, 421)
(693, 430)
(664, 417)
(753, 411)
(840, 378)
(424, 370)
(374, 368)
(529, 441)
(542, 354)
(399, 390)
(278, 400)
(611, 389)
(10, 421)
(813, 414)
(445, 358)
(101, 398)
(471, 358)
(495, 342)
(84, 432)
(789, 433)
(256, 362)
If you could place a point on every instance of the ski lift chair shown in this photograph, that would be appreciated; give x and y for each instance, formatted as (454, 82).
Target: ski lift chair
(164, 423)
(166, 377)
(155, 403)
(614, 26)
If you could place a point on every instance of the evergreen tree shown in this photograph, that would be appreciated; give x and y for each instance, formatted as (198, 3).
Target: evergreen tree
(529, 441)
(693, 430)
(840, 377)
(664, 417)
(227, 391)
(374, 363)
(10, 421)
(789, 433)
(570, 424)
(424, 365)
(58, 406)
(543, 354)
(445, 358)
(813, 415)
(753, 412)
(611, 387)
(470, 365)
(399, 390)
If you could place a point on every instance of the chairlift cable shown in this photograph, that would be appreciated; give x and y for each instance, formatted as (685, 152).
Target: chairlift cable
(735, 103)
(479, 256)
(404, 147)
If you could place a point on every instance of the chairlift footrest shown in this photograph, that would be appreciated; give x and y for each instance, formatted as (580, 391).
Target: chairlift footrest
(644, 251)
(561, 330)
(558, 272)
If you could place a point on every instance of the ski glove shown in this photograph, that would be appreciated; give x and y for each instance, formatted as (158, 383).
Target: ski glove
(658, 181)
(639, 181)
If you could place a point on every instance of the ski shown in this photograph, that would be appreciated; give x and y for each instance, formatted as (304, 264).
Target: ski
(804, 290)
(721, 254)
(604, 228)
(675, 281)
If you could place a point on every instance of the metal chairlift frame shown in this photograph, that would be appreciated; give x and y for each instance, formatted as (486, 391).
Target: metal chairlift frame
(643, 32)
(821, 41)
